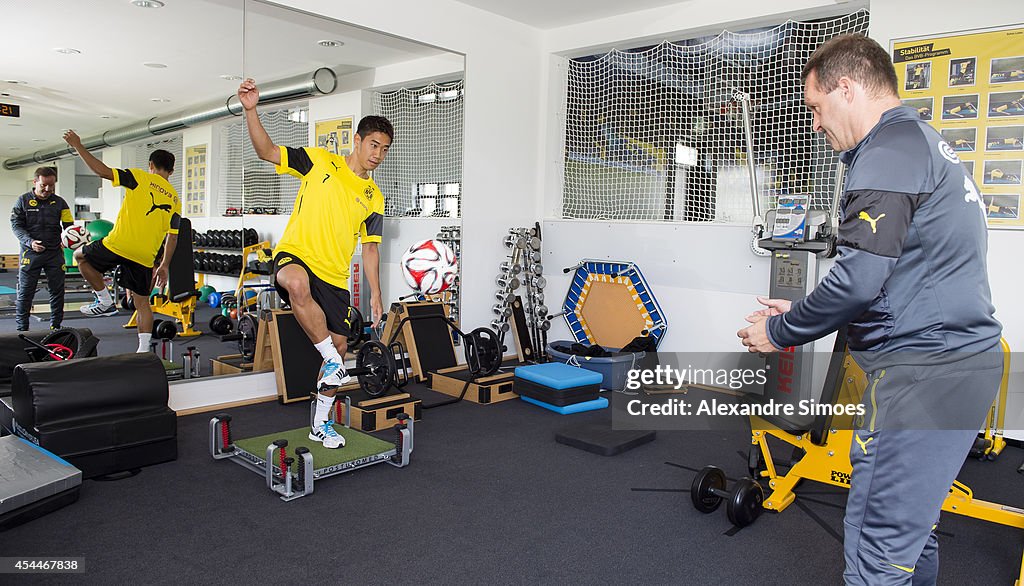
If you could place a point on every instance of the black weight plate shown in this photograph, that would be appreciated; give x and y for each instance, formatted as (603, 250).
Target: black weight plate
(483, 352)
(375, 367)
(167, 330)
(703, 499)
(745, 504)
(355, 326)
(221, 325)
(248, 327)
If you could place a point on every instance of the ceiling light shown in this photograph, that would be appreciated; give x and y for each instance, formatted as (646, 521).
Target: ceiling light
(231, 77)
(155, 65)
(159, 99)
(16, 81)
(148, 3)
(5, 94)
(14, 124)
(107, 116)
(13, 148)
(329, 43)
(38, 140)
(66, 51)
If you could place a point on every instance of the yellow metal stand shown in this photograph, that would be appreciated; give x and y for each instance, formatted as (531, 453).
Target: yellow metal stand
(181, 311)
(828, 461)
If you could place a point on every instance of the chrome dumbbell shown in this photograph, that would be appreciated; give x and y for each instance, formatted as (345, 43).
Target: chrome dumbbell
(505, 297)
(537, 282)
(510, 267)
(537, 297)
(541, 310)
(535, 268)
(499, 326)
(515, 241)
(510, 283)
(544, 325)
(534, 243)
(502, 310)
(533, 256)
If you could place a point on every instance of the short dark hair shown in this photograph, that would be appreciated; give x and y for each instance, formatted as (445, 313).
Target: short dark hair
(856, 57)
(370, 124)
(162, 159)
(45, 172)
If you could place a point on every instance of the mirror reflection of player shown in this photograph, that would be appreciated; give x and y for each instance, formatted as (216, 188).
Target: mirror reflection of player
(962, 73)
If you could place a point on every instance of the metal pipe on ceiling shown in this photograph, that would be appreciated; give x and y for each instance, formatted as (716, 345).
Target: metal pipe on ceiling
(321, 82)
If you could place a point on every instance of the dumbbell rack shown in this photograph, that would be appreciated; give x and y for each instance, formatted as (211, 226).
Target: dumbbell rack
(244, 275)
(523, 269)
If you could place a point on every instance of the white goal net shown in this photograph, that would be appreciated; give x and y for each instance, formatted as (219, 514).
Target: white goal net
(422, 174)
(656, 134)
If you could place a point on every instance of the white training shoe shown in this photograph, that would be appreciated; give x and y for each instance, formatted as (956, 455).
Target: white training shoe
(332, 376)
(97, 309)
(325, 434)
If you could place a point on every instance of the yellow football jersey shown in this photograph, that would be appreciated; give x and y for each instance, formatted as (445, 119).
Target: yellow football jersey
(150, 210)
(333, 209)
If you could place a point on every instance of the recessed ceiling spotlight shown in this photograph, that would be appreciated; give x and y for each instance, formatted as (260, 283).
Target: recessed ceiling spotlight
(13, 148)
(66, 51)
(5, 94)
(16, 81)
(159, 99)
(38, 140)
(231, 77)
(329, 43)
(107, 116)
(155, 65)
(148, 3)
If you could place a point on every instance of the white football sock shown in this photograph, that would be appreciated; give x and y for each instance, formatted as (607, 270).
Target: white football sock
(328, 351)
(323, 409)
(144, 342)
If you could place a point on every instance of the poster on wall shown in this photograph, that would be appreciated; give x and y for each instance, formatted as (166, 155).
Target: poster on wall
(970, 86)
(195, 181)
(335, 135)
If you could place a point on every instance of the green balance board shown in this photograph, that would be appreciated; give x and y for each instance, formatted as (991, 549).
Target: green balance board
(358, 445)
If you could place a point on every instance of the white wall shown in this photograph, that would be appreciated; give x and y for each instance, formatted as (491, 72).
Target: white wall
(12, 185)
(502, 117)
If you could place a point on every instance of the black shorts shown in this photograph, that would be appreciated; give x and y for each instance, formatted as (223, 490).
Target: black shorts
(132, 276)
(334, 301)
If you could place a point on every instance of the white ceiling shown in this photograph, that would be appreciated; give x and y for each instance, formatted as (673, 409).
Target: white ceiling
(198, 41)
(547, 14)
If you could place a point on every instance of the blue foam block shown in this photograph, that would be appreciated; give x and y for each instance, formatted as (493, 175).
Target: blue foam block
(556, 375)
(598, 403)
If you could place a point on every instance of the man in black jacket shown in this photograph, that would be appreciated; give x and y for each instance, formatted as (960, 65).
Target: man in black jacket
(37, 220)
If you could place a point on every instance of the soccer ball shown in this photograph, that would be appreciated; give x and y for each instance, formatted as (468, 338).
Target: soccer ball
(429, 266)
(74, 236)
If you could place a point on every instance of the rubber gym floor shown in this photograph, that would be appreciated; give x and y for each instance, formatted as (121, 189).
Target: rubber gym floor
(489, 497)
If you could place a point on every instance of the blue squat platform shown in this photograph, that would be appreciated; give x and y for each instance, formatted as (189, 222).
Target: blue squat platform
(557, 385)
(556, 375)
(598, 403)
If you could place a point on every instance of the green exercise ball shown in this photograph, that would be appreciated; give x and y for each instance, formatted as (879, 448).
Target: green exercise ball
(204, 293)
(99, 228)
(225, 312)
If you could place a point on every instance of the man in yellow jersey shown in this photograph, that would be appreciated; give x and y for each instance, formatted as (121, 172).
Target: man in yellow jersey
(148, 217)
(337, 204)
